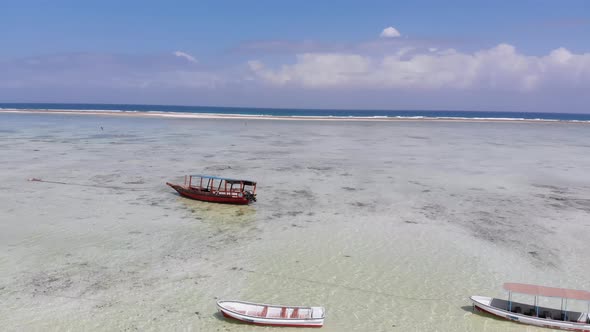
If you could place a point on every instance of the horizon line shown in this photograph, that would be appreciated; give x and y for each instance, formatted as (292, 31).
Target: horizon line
(290, 108)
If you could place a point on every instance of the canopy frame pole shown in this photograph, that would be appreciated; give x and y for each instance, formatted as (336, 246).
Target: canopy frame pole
(561, 308)
(536, 306)
(510, 301)
(565, 316)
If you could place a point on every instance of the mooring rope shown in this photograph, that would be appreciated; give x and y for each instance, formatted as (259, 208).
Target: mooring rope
(200, 315)
(351, 288)
(86, 185)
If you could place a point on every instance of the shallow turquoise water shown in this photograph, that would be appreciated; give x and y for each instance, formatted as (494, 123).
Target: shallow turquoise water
(285, 112)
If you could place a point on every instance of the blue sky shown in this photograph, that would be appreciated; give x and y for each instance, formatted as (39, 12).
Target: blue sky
(478, 55)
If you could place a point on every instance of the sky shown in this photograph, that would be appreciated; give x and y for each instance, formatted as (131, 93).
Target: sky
(395, 55)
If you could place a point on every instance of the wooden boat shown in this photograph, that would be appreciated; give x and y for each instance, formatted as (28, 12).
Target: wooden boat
(535, 314)
(215, 189)
(273, 315)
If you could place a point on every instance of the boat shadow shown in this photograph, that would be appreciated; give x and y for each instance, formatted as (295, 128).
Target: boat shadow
(219, 316)
(471, 309)
(468, 308)
(217, 213)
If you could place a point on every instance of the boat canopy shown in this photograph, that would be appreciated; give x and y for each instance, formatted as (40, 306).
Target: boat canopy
(547, 291)
(230, 181)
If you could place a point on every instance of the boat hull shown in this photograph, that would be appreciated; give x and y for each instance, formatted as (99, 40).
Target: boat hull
(482, 303)
(271, 321)
(207, 196)
(266, 322)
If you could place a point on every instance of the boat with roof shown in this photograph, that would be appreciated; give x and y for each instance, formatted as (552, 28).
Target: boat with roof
(216, 189)
(535, 314)
(273, 315)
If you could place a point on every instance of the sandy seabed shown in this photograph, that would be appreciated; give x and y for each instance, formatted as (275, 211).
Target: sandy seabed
(391, 225)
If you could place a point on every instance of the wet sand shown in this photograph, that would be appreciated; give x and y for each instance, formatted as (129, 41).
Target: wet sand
(391, 225)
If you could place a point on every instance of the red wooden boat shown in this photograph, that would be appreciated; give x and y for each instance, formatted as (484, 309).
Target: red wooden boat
(215, 189)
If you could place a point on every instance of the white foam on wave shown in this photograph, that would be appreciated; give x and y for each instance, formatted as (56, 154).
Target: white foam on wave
(169, 114)
(414, 117)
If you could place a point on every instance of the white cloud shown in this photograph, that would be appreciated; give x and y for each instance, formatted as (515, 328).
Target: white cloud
(186, 56)
(561, 55)
(390, 32)
(317, 70)
(498, 68)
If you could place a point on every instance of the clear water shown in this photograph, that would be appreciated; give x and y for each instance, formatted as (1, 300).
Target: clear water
(389, 225)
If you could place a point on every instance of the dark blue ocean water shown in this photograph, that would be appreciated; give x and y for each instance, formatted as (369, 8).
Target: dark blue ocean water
(301, 112)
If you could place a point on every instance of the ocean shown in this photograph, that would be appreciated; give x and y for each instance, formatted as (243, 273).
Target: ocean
(390, 225)
(285, 112)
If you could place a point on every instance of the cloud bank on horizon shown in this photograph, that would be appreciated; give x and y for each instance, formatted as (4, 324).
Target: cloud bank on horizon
(499, 68)
(388, 72)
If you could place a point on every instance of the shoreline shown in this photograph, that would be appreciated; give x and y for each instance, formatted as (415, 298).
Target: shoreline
(156, 114)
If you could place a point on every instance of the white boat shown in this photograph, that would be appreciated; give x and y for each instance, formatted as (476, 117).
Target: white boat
(273, 315)
(535, 314)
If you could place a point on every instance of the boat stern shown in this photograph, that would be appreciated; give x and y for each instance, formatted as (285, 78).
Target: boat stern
(318, 312)
(250, 196)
